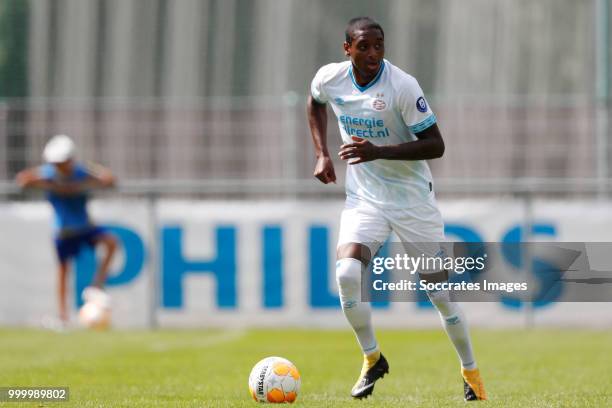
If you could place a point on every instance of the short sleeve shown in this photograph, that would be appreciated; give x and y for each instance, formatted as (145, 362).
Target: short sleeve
(317, 87)
(415, 110)
(46, 172)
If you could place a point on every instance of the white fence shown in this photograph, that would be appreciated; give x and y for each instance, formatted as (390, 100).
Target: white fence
(248, 142)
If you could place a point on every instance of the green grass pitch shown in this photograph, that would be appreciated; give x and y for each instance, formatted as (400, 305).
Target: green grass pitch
(191, 368)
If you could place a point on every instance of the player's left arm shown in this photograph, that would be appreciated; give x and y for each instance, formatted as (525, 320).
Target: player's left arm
(98, 176)
(429, 145)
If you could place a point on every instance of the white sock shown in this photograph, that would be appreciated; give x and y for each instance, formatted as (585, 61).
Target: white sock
(358, 313)
(456, 327)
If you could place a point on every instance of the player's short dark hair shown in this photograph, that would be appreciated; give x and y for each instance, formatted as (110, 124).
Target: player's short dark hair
(360, 23)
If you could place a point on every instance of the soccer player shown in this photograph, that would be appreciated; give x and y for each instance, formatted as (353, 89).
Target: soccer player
(388, 130)
(67, 183)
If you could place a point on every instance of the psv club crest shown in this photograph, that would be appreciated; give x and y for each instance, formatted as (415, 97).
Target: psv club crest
(378, 103)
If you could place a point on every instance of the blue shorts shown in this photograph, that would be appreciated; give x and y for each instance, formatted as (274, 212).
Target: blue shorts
(70, 247)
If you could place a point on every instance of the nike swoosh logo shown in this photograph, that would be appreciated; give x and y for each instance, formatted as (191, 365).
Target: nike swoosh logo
(364, 388)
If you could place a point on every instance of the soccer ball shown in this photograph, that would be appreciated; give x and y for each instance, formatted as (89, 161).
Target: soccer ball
(95, 313)
(275, 380)
(94, 316)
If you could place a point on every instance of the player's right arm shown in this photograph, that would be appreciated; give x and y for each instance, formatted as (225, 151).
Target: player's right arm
(316, 108)
(317, 120)
(39, 178)
(33, 178)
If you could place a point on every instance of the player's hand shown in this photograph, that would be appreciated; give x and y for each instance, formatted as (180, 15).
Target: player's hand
(26, 178)
(362, 150)
(324, 170)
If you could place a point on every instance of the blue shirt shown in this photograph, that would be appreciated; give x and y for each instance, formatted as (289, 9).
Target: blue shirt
(70, 210)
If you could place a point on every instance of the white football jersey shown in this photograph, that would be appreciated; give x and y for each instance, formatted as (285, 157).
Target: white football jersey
(387, 111)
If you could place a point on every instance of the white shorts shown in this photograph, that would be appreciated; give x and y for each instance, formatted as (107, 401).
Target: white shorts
(420, 229)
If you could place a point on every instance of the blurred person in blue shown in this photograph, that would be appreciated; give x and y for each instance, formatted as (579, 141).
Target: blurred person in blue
(67, 183)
